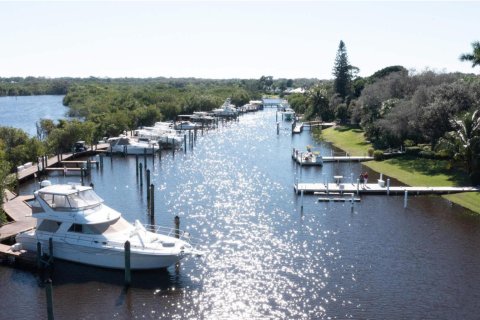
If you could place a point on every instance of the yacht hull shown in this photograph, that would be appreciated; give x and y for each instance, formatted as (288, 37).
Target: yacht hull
(100, 255)
(133, 150)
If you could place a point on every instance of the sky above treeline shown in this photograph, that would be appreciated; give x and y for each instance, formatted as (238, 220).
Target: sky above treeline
(232, 39)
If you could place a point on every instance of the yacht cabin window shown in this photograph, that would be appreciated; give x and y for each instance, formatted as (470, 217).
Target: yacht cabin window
(82, 228)
(74, 201)
(49, 226)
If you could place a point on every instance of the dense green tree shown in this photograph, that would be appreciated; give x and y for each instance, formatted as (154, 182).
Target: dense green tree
(318, 105)
(473, 57)
(4, 172)
(240, 97)
(44, 127)
(298, 102)
(342, 72)
(62, 139)
(466, 138)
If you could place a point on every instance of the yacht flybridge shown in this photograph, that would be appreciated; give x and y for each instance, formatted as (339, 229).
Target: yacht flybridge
(84, 230)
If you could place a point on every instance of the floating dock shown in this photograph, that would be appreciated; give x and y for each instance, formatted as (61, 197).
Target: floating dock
(312, 158)
(374, 188)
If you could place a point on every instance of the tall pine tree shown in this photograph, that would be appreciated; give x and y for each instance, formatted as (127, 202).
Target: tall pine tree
(341, 72)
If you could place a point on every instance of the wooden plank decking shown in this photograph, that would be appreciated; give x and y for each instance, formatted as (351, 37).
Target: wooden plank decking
(21, 214)
(375, 188)
(55, 160)
(311, 159)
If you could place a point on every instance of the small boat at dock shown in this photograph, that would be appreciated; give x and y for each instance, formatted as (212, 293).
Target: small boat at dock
(127, 145)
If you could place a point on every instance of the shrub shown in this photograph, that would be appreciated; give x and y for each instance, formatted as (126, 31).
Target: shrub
(370, 152)
(427, 154)
(475, 177)
(378, 155)
(413, 150)
(442, 155)
(408, 143)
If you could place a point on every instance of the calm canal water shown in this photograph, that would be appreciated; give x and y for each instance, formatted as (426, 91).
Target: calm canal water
(267, 259)
(24, 111)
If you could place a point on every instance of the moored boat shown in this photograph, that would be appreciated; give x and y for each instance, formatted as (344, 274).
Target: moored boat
(85, 230)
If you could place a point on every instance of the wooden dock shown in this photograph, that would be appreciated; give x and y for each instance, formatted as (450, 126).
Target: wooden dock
(374, 189)
(57, 160)
(313, 124)
(312, 158)
(20, 212)
(346, 158)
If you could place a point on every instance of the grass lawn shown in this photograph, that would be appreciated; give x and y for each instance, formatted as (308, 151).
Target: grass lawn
(349, 139)
(407, 169)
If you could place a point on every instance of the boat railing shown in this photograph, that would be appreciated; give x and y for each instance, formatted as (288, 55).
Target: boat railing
(173, 232)
(95, 240)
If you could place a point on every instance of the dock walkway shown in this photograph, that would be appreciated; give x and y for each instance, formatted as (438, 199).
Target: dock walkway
(21, 214)
(375, 188)
(313, 159)
(55, 160)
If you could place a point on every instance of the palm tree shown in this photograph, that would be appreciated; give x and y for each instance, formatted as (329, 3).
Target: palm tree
(467, 137)
(473, 57)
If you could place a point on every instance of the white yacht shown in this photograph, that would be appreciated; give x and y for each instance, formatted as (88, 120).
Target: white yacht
(124, 144)
(187, 125)
(288, 114)
(162, 132)
(226, 110)
(85, 230)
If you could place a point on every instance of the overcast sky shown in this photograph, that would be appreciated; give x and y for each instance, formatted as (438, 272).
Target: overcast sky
(226, 39)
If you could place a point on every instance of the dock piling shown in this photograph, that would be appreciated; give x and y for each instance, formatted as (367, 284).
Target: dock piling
(140, 173)
(405, 199)
(278, 128)
(48, 288)
(145, 157)
(148, 184)
(136, 164)
(301, 201)
(185, 143)
(152, 200)
(176, 220)
(388, 187)
(128, 278)
(39, 255)
(358, 186)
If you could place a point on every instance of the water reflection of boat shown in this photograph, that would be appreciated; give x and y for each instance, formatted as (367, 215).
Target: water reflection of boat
(85, 230)
(124, 144)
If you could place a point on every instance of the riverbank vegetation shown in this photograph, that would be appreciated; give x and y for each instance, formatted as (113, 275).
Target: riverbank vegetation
(107, 107)
(410, 169)
(433, 117)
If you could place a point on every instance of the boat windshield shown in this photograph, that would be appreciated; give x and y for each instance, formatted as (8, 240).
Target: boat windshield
(85, 198)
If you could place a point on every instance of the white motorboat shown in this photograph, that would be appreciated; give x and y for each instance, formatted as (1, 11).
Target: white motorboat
(84, 230)
(126, 145)
(288, 114)
(202, 116)
(162, 132)
(226, 110)
(187, 125)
